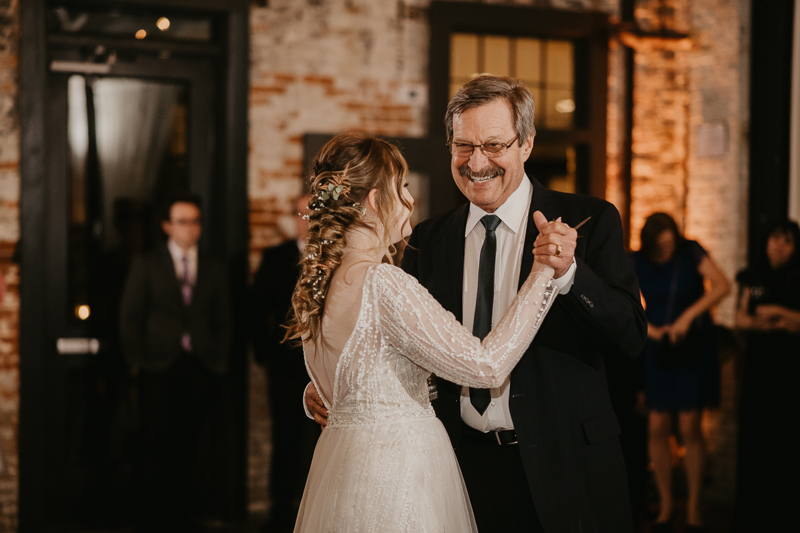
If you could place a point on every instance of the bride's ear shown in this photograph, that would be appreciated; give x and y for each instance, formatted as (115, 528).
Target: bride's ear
(372, 200)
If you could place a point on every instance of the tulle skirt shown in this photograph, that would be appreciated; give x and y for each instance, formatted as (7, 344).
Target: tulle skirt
(398, 476)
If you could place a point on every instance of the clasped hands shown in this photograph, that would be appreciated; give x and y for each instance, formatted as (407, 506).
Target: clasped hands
(555, 245)
(674, 332)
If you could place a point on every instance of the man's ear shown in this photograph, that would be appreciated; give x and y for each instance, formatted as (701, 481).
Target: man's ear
(165, 227)
(526, 147)
(372, 199)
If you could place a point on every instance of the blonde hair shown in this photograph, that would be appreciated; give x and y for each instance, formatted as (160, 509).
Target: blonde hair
(345, 170)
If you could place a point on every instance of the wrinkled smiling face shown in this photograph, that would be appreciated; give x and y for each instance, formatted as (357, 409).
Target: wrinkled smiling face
(486, 182)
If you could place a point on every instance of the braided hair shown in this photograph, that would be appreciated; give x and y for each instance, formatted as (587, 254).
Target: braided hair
(345, 170)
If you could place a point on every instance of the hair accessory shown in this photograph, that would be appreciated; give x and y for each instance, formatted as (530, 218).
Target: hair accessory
(330, 191)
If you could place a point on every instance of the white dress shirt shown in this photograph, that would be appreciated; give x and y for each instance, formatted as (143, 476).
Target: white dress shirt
(178, 254)
(510, 233)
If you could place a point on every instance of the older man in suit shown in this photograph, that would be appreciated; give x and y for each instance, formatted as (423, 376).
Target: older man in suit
(540, 453)
(175, 327)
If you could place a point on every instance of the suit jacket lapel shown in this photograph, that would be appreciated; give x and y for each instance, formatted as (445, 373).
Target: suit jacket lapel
(542, 200)
(168, 266)
(452, 262)
(202, 273)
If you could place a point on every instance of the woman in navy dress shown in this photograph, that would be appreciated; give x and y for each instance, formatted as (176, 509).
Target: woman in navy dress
(769, 310)
(672, 273)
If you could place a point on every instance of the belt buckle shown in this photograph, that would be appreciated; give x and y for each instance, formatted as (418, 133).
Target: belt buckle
(499, 442)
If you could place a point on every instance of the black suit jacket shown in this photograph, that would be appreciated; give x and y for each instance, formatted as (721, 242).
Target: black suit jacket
(153, 317)
(270, 302)
(559, 402)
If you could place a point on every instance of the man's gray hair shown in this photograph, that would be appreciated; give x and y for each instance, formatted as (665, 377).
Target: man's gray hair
(485, 89)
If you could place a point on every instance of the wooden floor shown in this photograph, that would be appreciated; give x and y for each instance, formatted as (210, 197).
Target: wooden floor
(718, 518)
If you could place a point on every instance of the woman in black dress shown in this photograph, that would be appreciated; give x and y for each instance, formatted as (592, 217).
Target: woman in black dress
(769, 310)
(672, 275)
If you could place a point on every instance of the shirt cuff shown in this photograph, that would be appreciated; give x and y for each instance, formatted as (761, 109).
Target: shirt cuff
(564, 283)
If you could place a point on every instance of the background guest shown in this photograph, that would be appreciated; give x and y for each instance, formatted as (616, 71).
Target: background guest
(175, 330)
(293, 435)
(681, 366)
(769, 310)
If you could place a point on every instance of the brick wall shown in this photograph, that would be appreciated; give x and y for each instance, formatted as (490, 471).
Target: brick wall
(690, 160)
(9, 274)
(690, 126)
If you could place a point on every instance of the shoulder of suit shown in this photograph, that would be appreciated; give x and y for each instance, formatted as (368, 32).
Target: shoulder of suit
(584, 200)
(284, 248)
(576, 207)
(434, 225)
(156, 254)
(209, 259)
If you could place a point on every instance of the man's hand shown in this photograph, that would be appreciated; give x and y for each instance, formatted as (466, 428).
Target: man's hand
(315, 406)
(555, 245)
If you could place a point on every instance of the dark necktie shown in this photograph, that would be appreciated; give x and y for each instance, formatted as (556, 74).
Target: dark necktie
(186, 283)
(186, 291)
(482, 325)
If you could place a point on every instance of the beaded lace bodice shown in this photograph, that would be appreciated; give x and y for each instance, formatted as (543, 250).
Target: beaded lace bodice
(402, 334)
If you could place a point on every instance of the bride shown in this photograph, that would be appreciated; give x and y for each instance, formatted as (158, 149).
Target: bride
(371, 336)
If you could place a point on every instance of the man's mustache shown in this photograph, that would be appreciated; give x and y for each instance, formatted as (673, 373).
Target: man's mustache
(491, 170)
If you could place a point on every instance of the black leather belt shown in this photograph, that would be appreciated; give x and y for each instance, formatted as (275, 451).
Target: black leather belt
(502, 437)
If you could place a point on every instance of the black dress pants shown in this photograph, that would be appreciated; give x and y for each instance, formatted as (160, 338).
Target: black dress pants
(175, 406)
(497, 486)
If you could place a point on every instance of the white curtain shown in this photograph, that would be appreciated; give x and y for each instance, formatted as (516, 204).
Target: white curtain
(794, 169)
(134, 119)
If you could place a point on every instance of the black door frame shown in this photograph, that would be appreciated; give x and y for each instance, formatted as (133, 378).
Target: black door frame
(228, 235)
(770, 120)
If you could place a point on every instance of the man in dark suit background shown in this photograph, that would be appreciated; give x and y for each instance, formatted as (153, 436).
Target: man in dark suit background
(175, 328)
(293, 435)
(541, 453)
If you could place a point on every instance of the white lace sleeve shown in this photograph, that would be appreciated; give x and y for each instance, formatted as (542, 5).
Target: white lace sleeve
(416, 324)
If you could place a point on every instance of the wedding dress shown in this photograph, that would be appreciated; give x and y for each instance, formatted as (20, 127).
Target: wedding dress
(384, 462)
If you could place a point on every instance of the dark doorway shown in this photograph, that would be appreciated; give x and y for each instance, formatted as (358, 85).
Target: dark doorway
(113, 123)
(770, 119)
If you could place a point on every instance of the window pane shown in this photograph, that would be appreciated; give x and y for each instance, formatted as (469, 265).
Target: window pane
(553, 166)
(496, 55)
(560, 107)
(463, 55)
(560, 71)
(529, 61)
(547, 67)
